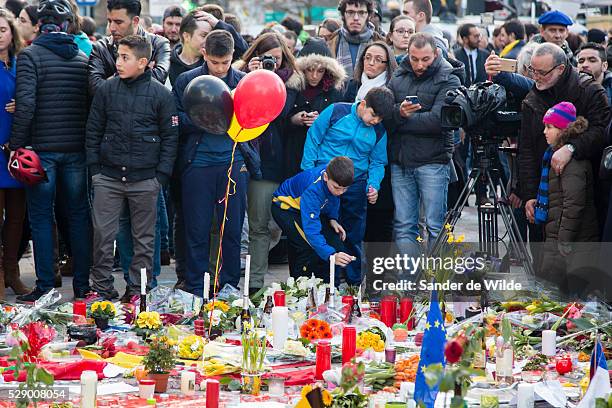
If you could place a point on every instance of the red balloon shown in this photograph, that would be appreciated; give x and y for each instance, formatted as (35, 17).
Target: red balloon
(259, 98)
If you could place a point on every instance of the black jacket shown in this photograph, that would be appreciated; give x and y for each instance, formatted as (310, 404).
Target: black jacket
(177, 66)
(132, 131)
(419, 139)
(104, 54)
(329, 92)
(591, 102)
(51, 96)
(481, 57)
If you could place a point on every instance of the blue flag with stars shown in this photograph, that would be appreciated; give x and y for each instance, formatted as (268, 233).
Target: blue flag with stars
(432, 352)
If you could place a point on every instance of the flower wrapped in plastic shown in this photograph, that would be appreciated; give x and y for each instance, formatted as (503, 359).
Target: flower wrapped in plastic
(191, 347)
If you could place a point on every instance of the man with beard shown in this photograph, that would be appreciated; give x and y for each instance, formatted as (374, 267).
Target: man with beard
(123, 19)
(347, 43)
(557, 81)
(592, 60)
(171, 23)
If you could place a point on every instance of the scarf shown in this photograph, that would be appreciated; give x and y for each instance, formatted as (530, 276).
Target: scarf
(344, 52)
(367, 84)
(311, 92)
(541, 208)
(284, 73)
(509, 48)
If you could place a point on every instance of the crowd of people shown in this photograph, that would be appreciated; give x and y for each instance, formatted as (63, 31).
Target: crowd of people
(105, 168)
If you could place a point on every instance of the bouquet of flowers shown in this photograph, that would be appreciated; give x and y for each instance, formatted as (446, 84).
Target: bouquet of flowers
(223, 315)
(315, 329)
(148, 323)
(295, 289)
(191, 347)
(103, 310)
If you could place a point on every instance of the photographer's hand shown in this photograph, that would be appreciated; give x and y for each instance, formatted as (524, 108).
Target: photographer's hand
(560, 159)
(407, 109)
(254, 64)
(493, 64)
(530, 210)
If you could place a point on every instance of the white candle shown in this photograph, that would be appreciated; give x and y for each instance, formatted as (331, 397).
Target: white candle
(143, 281)
(332, 274)
(508, 363)
(188, 379)
(525, 397)
(206, 285)
(247, 274)
(549, 342)
(89, 389)
(280, 326)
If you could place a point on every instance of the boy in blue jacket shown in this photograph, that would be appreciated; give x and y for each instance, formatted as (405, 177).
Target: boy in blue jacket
(353, 130)
(306, 207)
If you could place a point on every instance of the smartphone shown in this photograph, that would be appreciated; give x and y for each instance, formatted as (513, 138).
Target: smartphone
(507, 65)
(412, 99)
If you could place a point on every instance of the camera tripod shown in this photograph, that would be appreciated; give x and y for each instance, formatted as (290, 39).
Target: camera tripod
(483, 153)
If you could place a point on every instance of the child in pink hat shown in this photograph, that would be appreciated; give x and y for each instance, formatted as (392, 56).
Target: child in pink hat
(565, 203)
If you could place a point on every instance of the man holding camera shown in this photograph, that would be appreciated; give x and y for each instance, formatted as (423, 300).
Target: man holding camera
(420, 150)
(557, 81)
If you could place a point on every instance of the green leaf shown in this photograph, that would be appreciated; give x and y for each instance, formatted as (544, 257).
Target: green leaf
(225, 380)
(601, 403)
(506, 329)
(433, 374)
(448, 382)
(44, 376)
(234, 385)
(457, 402)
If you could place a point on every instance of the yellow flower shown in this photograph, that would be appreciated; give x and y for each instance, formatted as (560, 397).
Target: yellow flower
(451, 238)
(149, 320)
(306, 390)
(448, 227)
(419, 239)
(219, 304)
(327, 398)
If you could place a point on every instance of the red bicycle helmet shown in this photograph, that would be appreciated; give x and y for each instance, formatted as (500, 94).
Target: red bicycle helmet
(25, 166)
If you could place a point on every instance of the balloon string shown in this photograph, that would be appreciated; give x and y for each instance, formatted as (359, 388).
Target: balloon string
(219, 262)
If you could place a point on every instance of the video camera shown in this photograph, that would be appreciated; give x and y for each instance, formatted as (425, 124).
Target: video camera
(480, 110)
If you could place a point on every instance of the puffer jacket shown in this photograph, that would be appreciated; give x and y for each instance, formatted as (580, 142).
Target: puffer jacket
(419, 139)
(51, 96)
(271, 143)
(591, 102)
(104, 54)
(132, 131)
(328, 92)
(571, 209)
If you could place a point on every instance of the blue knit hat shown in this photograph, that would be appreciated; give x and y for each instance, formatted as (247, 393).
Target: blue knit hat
(555, 18)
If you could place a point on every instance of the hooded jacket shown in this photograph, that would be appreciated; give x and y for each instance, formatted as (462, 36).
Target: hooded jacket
(51, 96)
(104, 55)
(271, 143)
(328, 92)
(590, 101)
(419, 139)
(177, 66)
(132, 131)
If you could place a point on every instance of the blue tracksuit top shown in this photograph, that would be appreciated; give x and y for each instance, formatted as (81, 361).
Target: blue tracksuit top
(307, 192)
(348, 136)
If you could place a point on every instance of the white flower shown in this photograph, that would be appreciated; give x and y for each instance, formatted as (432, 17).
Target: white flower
(290, 281)
(216, 316)
(303, 285)
(237, 303)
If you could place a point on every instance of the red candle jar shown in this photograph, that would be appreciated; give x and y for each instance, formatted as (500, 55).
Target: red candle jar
(349, 343)
(212, 394)
(348, 300)
(388, 311)
(323, 359)
(279, 298)
(406, 307)
(79, 309)
(198, 326)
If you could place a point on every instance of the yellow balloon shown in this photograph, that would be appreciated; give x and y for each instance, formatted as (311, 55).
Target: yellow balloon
(239, 134)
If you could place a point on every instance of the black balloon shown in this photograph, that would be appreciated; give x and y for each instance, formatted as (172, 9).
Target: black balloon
(209, 104)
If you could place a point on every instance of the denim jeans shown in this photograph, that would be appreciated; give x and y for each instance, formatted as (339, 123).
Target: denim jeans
(126, 248)
(66, 173)
(427, 184)
(164, 221)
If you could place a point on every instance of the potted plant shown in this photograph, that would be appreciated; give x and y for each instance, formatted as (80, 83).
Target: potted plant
(102, 312)
(148, 324)
(159, 362)
(253, 355)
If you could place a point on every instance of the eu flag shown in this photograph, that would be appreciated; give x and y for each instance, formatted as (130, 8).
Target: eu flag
(432, 352)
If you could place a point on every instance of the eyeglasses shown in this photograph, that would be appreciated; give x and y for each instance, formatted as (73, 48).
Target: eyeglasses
(403, 32)
(353, 13)
(533, 71)
(377, 60)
